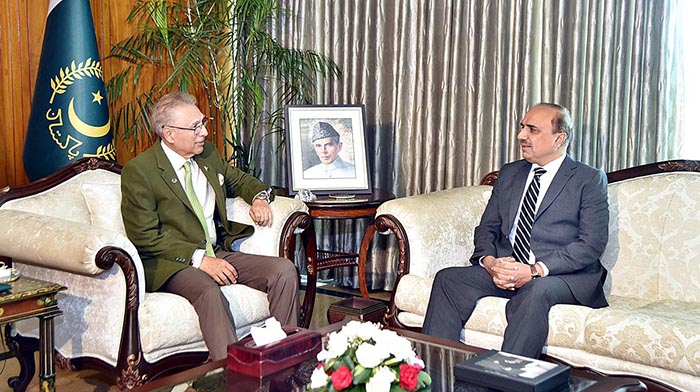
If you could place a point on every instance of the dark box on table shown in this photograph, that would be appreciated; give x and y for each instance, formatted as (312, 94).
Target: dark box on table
(259, 361)
(363, 309)
(512, 373)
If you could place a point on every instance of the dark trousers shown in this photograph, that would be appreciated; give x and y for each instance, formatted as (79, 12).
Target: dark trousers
(274, 275)
(456, 291)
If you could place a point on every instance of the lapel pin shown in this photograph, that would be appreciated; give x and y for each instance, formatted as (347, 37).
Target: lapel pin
(174, 180)
(206, 168)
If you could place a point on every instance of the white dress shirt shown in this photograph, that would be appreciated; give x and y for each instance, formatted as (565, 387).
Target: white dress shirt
(545, 181)
(203, 190)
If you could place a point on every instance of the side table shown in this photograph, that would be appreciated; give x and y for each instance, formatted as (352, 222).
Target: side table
(326, 208)
(31, 298)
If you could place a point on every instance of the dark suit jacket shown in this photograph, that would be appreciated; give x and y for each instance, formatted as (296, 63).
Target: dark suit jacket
(159, 219)
(570, 229)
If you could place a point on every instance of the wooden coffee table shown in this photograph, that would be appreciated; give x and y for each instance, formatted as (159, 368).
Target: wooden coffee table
(439, 355)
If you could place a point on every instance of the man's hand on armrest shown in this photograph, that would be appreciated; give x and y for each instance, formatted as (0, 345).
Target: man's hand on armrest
(260, 213)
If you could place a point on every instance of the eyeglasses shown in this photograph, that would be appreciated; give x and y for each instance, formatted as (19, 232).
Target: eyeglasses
(196, 129)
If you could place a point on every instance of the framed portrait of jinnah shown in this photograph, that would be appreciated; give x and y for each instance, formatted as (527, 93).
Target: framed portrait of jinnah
(327, 149)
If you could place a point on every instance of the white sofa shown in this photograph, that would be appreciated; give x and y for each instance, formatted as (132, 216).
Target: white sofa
(651, 328)
(67, 229)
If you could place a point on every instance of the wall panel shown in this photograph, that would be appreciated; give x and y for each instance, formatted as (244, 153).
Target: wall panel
(22, 25)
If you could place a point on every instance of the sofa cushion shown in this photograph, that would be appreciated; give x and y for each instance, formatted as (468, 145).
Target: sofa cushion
(169, 324)
(413, 294)
(567, 322)
(247, 305)
(104, 203)
(489, 316)
(660, 334)
(567, 326)
(410, 319)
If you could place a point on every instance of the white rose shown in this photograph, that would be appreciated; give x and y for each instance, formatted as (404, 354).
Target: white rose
(319, 378)
(398, 346)
(369, 355)
(350, 329)
(323, 355)
(366, 331)
(381, 381)
(337, 345)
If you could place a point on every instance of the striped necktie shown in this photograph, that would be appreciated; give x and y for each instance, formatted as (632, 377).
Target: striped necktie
(521, 245)
(196, 206)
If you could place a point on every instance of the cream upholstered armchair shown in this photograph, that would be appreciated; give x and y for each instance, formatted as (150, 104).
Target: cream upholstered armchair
(67, 229)
(653, 286)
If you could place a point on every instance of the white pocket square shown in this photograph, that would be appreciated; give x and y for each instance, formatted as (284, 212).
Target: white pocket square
(221, 178)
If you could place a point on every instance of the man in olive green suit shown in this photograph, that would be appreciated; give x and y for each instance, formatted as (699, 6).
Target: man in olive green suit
(174, 210)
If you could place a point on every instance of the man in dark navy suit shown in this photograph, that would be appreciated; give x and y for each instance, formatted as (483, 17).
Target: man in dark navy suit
(538, 247)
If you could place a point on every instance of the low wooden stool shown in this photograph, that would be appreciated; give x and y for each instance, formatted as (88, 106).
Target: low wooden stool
(363, 309)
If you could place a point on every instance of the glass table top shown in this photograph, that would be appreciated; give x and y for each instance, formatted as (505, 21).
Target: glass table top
(439, 356)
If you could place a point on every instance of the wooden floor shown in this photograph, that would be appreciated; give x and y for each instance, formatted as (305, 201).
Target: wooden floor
(91, 381)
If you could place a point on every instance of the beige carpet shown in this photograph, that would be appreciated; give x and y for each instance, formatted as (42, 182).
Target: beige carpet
(91, 381)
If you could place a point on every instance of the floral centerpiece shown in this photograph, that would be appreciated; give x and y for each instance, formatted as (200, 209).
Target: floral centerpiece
(364, 357)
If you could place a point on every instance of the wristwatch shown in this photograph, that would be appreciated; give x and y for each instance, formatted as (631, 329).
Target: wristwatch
(264, 195)
(533, 271)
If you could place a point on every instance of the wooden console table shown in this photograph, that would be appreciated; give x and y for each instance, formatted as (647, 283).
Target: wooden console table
(31, 298)
(326, 208)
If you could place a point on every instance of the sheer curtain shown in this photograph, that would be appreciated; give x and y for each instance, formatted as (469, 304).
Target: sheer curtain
(446, 82)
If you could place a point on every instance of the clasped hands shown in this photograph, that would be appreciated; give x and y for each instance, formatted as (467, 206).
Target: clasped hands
(507, 273)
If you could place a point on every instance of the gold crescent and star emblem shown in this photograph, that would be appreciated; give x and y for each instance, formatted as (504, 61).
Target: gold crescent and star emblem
(83, 127)
(60, 84)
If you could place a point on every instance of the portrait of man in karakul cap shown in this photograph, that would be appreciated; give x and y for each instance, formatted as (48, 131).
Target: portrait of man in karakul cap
(325, 140)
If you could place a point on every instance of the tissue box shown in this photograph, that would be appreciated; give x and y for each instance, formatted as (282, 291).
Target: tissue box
(259, 361)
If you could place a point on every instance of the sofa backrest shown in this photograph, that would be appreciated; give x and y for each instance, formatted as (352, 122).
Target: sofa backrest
(439, 226)
(653, 250)
(654, 240)
(91, 197)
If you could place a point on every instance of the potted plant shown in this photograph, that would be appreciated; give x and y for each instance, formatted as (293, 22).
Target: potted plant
(223, 50)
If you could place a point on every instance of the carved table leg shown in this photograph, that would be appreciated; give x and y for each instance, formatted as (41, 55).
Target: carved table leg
(47, 366)
(309, 239)
(23, 350)
(362, 262)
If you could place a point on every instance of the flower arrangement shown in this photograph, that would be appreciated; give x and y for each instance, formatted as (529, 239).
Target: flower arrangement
(364, 357)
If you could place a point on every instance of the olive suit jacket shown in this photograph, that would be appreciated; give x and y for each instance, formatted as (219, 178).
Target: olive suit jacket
(159, 219)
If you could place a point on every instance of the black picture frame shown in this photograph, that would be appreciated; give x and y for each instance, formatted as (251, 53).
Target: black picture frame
(337, 162)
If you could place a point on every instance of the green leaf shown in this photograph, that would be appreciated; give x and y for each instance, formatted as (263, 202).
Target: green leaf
(392, 361)
(347, 361)
(423, 379)
(361, 376)
(331, 364)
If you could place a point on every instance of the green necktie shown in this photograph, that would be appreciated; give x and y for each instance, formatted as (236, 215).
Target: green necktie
(196, 206)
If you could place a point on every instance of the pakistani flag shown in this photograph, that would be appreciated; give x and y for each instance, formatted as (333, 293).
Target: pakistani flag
(70, 117)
